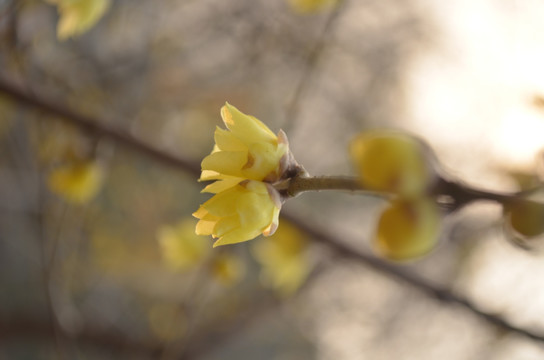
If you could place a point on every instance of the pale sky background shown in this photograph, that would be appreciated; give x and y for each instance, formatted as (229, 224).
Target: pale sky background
(476, 86)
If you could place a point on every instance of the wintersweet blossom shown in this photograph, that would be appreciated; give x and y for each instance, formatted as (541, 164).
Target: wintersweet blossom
(239, 213)
(403, 166)
(180, 247)
(408, 229)
(78, 16)
(247, 159)
(246, 150)
(392, 162)
(78, 182)
(284, 259)
(311, 6)
(227, 269)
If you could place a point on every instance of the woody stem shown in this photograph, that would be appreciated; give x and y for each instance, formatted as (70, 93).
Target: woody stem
(462, 194)
(300, 184)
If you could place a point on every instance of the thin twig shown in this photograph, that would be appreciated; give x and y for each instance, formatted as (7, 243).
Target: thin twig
(293, 108)
(46, 277)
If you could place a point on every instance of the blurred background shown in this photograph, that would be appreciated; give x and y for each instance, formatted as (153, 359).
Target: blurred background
(98, 258)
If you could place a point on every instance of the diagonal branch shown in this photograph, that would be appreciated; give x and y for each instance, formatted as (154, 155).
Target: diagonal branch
(94, 127)
(426, 287)
(99, 129)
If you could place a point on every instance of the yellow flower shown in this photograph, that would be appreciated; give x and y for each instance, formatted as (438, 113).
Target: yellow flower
(239, 213)
(247, 150)
(311, 6)
(180, 246)
(246, 161)
(78, 182)
(408, 229)
(284, 259)
(227, 269)
(78, 16)
(392, 162)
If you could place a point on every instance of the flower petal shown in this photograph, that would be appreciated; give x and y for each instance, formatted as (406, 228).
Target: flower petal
(226, 141)
(226, 162)
(271, 229)
(222, 185)
(237, 235)
(225, 203)
(205, 227)
(226, 225)
(265, 161)
(246, 128)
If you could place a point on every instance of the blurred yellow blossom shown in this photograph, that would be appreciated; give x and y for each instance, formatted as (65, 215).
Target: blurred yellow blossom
(527, 218)
(408, 229)
(311, 6)
(78, 16)
(77, 182)
(246, 160)
(392, 162)
(227, 269)
(284, 259)
(524, 220)
(181, 248)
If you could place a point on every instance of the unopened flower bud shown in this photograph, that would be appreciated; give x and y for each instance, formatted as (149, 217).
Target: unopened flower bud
(408, 229)
(393, 162)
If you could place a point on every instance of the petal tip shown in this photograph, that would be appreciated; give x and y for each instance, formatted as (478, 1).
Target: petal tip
(217, 243)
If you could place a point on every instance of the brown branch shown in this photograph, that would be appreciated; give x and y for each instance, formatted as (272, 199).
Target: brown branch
(94, 127)
(97, 128)
(426, 287)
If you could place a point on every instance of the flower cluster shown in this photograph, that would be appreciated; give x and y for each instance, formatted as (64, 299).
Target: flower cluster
(401, 165)
(254, 172)
(247, 160)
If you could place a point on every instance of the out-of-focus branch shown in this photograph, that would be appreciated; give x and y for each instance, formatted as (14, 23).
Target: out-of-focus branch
(93, 336)
(94, 127)
(107, 339)
(293, 108)
(433, 290)
(97, 128)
